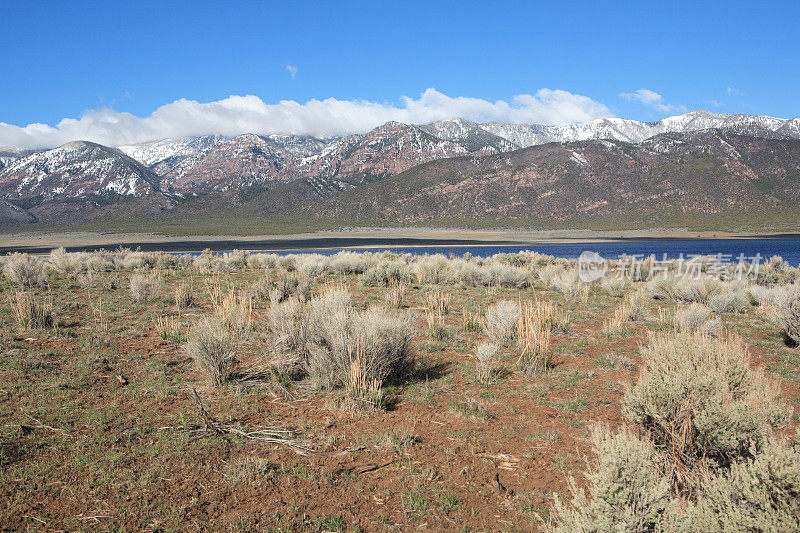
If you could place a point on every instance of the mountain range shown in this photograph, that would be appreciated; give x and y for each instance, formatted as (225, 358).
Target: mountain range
(452, 170)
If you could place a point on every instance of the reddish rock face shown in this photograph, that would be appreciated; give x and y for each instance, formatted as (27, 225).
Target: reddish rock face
(705, 172)
(239, 162)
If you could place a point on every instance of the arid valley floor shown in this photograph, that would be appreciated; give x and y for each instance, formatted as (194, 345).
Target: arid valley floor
(101, 428)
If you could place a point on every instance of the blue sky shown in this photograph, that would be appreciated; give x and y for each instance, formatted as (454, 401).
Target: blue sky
(62, 59)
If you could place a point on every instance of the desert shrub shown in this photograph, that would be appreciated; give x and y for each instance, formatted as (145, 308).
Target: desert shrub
(758, 495)
(66, 263)
(433, 269)
(333, 329)
(549, 273)
(213, 347)
(729, 302)
(616, 286)
(698, 290)
(142, 288)
(213, 341)
(784, 311)
(533, 336)
(28, 312)
(697, 318)
(386, 273)
(24, 270)
(204, 262)
(570, 286)
(501, 321)
(311, 266)
(350, 263)
(230, 261)
(282, 287)
(702, 403)
(509, 276)
(262, 261)
(626, 491)
(99, 262)
(127, 260)
(486, 354)
(470, 274)
(287, 331)
(663, 288)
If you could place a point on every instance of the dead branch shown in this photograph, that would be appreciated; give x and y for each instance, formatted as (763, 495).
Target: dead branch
(212, 426)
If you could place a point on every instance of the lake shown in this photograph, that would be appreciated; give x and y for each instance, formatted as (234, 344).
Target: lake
(788, 248)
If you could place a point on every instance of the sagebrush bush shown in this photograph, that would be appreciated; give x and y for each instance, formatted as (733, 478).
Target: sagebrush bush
(501, 321)
(142, 288)
(570, 286)
(24, 270)
(486, 360)
(320, 337)
(212, 347)
(387, 273)
(697, 318)
(213, 342)
(729, 302)
(701, 402)
(66, 263)
(784, 311)
(616, 286)
(663, 288)
(509, 276)
(762, 494)
(626, 491)
(433, 269)
(127, 260)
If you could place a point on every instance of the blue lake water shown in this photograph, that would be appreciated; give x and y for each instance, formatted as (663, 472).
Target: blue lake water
(788, 248)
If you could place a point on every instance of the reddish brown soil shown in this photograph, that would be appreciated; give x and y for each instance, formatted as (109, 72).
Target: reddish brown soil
(92, 423)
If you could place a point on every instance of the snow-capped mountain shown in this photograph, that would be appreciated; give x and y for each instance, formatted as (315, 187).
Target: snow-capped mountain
(634, 131)
(218, 163)
(77, 169)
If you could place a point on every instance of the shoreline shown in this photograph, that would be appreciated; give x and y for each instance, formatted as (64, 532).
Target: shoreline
(376, 238)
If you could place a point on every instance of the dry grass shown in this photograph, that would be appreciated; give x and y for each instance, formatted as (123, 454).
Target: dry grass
(439, 302)
(28, 312)
(533, 336)
(395, 296)
(184, 298)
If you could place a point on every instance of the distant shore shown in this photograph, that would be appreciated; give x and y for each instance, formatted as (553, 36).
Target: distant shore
(32, 242)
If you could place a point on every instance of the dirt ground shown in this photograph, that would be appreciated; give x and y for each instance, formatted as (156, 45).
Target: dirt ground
(95, 412)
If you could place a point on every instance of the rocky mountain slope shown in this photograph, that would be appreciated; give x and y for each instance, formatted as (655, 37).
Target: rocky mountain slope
(705, 172)
(77, 169)
(455, 169)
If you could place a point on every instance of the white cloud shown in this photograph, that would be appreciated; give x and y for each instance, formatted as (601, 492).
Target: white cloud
(292, 71)
(249, 114)
(652, 98)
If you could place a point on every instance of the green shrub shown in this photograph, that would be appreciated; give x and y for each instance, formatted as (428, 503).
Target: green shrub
(702, 403)
(626, 491)
(758, 495)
